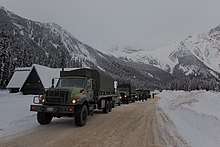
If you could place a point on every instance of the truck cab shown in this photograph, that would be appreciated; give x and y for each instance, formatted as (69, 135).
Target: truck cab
(125, 93)
(80, 89)
(124, 97)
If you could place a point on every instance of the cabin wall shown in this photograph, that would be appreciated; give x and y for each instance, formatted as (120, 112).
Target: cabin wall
(33, 84)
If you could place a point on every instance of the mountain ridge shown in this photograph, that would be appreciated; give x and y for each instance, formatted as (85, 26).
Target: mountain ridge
(205, 48)
(25, 42)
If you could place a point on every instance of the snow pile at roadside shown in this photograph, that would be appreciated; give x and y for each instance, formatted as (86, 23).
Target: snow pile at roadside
(15, 115)
(195, 114)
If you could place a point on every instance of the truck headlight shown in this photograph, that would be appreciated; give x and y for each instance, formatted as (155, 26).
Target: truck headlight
(73, 101)
(43, 100)
(39, 99)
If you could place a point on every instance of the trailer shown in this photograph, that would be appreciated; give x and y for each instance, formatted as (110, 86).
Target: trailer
(78, 93)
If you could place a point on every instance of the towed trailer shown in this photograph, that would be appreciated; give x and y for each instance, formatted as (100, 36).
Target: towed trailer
(78, 93)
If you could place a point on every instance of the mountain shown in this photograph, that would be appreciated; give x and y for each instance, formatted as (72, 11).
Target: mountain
(24, 42)
(194, 60)
(192, 64)
(158, 58)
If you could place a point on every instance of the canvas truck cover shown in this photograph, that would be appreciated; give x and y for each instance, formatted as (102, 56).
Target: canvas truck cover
(126, 87)
(102, 81)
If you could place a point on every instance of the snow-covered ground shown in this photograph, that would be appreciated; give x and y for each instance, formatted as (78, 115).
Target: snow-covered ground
(195, 114)
(15, 115)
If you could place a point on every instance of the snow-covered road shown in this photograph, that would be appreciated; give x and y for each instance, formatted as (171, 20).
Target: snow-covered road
(178, 119)
(139, 124)
(195, 114)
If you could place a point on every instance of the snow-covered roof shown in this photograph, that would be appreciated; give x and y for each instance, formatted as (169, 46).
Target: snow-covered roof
(45, 74)
(19, 77)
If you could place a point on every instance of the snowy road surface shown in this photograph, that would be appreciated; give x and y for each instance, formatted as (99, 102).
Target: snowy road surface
(134, 125)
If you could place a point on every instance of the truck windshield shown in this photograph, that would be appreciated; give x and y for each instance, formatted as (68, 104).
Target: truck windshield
(68, 82)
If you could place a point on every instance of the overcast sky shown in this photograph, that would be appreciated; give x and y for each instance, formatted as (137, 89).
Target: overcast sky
(104, 24)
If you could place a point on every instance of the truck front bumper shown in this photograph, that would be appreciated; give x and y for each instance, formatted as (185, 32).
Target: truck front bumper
(53, 109)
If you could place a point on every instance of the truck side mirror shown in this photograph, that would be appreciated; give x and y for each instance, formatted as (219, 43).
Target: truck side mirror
(93, 84)
(52, 83)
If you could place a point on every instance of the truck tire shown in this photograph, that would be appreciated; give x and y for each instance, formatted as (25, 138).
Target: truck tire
(107, 105)
(44, 118)
(113, 104)
(110, 106)
(81, 116)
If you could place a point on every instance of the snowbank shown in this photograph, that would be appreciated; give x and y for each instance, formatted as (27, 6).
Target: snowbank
(15, 115)
(196, 115)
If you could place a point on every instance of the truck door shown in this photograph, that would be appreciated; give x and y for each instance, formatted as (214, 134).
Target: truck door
(89, 90)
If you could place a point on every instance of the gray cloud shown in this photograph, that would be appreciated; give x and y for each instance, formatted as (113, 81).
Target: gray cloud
(138, 23)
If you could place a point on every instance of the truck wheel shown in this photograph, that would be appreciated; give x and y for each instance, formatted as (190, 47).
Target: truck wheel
(113, 104)
(107, 105)
(44, 118)
(81, 116)
(110, 106)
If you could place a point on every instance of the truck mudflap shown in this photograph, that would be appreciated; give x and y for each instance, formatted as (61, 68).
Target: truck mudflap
(52, 109)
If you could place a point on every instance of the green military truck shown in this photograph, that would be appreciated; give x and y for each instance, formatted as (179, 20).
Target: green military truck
(78, 93)
(143, 94)
(125, 93)
(146, 94)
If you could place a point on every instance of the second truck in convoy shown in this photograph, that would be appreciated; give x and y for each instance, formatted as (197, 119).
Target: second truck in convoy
(125, 93)
(77, 94)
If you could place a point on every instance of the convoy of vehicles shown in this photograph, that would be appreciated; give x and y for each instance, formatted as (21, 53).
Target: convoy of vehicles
(78, 93)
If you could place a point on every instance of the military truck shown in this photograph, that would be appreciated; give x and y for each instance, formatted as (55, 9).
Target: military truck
(147, 94)
(125, 93)
(139, 94)
(143, 94)
(116, 101)
(133, 97)
(77, 94)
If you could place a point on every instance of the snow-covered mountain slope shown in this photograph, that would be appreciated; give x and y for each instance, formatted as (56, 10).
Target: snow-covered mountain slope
(195, 55)
(24, 42)
(159, 57)
(48, 44)
(205, 48)
(50, 38)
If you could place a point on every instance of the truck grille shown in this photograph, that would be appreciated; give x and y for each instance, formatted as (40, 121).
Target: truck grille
(56, 97)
